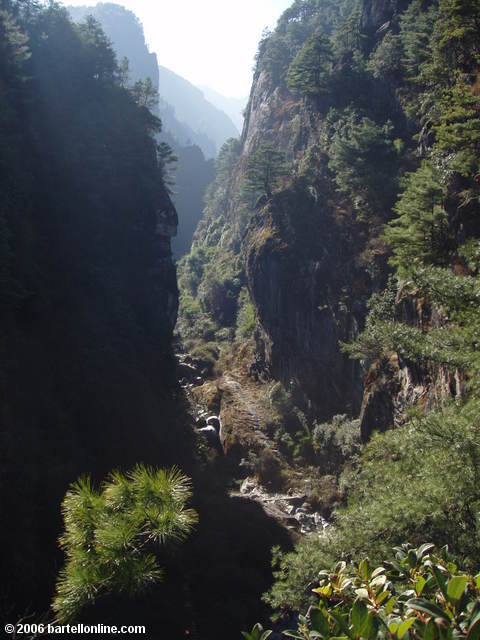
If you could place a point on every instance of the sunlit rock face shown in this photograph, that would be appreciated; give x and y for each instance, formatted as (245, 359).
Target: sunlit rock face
(309, 265)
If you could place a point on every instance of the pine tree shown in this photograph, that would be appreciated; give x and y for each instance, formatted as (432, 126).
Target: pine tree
(264, 169)
(420, 232)
(458, 34)
(110, 536)
(309, 71)
(416, 28)
(363, 159)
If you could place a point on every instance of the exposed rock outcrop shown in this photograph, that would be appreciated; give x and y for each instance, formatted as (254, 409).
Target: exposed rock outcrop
(308, 297)
(394, 386)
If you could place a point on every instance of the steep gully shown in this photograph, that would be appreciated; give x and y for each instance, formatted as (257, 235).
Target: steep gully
(237, 430)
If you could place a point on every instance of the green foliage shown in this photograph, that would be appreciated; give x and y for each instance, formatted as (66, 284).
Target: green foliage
(418, 480)
(265, 167)
(386, 60)
(191, 267)
(457, 34)
(245, 316)
(206, 355)
(470, 251)
(336, 442)
(145, 94)
(13, 41)
(275, 57)
(418, 593)
(363, 159)
(374, 343)
(348, 36)
(110, 535)
(302, 26)
(453, 345)
(209, 282)
(416, 27)
(419, 234)
(457, 128)
(218, 193)
(445, 63)
(454, 68)
(310, 69)
(257, 633)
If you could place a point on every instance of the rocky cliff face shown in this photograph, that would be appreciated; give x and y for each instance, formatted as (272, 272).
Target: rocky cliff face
(396, 385)
(310, 260)
(304, 257)
(308, 296)
(163, 272)
(376, 13)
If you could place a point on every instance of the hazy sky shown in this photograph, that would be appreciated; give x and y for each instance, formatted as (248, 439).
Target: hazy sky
(210, 42)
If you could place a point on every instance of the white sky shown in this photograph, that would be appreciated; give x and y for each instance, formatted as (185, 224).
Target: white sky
(210, 42)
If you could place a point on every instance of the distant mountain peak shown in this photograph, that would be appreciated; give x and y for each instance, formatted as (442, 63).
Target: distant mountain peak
(233, 107)
(193, 108)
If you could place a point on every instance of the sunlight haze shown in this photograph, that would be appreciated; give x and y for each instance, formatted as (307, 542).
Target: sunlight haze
(209, 43)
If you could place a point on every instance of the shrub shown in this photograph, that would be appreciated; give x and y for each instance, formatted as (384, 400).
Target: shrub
(336, 442)
(420, 234)
(416, 594)
(421, 479)
(269, 468)
(309, 71)
(245, 316)
(364, 161)
(206, 356)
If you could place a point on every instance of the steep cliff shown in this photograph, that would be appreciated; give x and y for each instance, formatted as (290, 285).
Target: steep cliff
(311, 253)
(88, 289)
(190, 143)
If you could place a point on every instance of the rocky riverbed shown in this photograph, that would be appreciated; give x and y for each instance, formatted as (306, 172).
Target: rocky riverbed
(234, 422)
(289, 508)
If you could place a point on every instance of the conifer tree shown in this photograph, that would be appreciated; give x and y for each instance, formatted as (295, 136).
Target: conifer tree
(309, 71)
(420, 232)
(110, 535)
(264, 169)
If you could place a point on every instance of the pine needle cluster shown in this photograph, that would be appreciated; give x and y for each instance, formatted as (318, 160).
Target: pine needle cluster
(111, 535)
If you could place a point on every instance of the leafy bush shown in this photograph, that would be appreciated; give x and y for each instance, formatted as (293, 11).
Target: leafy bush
(275, 57)
(206, 356)
(374, 342)
(286, 416)
(257, 633)
(421, 479)
(416, 27)
(335, 442)
(265, 167)
(245, 316)
(417, 594)
(110, 536)
(269, 468)
(453, 345)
